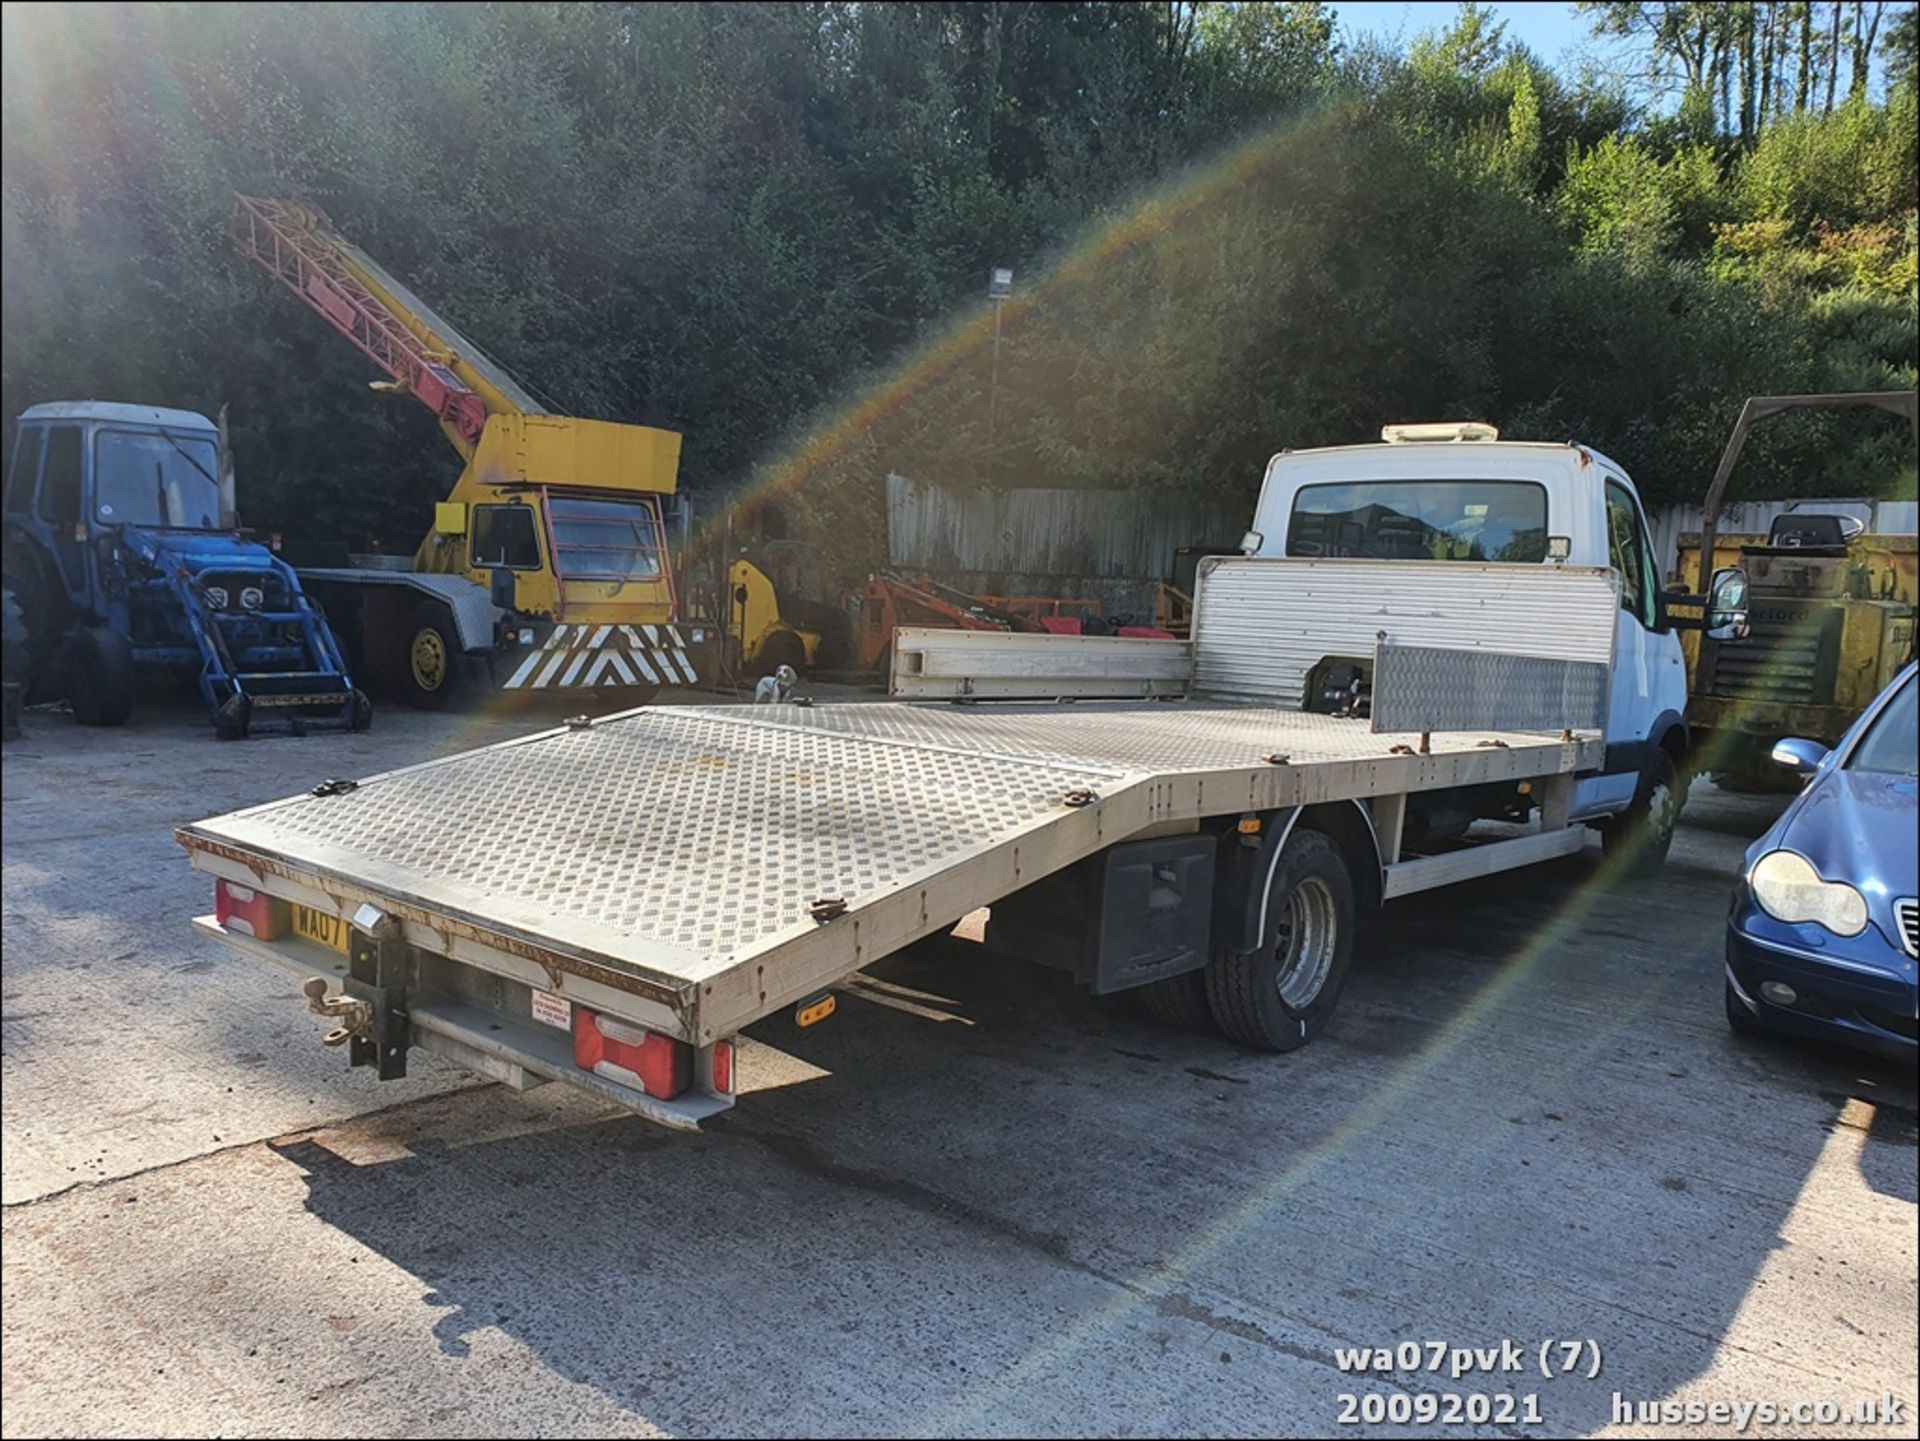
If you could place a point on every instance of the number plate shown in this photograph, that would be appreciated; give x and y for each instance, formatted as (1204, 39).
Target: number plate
(320, 928)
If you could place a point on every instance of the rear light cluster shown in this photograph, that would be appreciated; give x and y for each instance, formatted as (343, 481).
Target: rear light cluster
(631, 1055)
(250, 912)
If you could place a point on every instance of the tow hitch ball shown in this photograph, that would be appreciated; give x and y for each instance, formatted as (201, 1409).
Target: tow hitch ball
(355, 1016)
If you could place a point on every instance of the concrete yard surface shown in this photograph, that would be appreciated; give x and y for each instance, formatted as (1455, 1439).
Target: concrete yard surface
(975, 1201)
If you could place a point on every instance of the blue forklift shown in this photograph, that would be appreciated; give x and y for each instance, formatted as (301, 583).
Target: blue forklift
(122, 555)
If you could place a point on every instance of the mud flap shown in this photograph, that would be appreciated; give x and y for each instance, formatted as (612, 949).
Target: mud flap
(1132, 914)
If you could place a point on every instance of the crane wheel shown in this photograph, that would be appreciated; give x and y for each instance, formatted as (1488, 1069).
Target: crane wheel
(432, 664)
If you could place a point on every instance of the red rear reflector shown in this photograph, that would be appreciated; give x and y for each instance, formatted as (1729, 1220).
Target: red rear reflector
(723, 1067)
(250, 912)
(658, 1065)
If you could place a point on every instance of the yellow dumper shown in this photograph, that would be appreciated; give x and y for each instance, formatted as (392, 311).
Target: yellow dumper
(1831, 608)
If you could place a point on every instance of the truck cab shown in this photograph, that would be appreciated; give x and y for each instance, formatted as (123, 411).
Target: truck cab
(1457, 492)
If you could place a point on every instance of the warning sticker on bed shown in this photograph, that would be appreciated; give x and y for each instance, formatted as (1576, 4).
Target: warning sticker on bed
(554, 1010)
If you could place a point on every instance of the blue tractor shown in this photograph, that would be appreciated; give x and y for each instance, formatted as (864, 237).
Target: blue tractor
(122, 556)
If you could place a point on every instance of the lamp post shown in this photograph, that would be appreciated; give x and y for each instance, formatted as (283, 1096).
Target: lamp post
(999, 290)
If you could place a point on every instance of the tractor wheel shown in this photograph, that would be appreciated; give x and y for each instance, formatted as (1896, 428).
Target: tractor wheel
(433, 665)
(99, 675)
(15, 658)
(18, 651)
(45, 615)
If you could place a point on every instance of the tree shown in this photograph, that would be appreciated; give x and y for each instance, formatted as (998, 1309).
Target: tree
(1898, 46)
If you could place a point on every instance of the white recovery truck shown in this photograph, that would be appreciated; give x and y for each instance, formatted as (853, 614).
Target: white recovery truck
(1427, 640)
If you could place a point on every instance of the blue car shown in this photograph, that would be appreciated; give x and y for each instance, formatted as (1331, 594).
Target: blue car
(1822, 937)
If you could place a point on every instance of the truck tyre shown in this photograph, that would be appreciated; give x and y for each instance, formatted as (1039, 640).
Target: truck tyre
(1279, 996)
(99, 673)
(432, 665)
(1180, 1002)
(1640, 837)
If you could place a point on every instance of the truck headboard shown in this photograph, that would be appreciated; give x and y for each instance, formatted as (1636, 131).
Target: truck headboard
(1262, 624)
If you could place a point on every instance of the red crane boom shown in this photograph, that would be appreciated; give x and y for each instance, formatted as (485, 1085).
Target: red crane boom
(298, 247)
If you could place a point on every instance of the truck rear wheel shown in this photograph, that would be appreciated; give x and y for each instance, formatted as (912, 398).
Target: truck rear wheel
(1280, 995)
(432, 665)
(99, 672)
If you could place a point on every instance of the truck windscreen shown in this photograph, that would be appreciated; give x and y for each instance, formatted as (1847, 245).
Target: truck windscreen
(605, 539)
(1421, 520)
(144, 478)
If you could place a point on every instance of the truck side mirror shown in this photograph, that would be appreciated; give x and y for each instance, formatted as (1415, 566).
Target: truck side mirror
(1727, 605)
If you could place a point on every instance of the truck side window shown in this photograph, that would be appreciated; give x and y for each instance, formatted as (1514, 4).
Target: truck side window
(26, 465)
(503, 536)
(1627, 553)
(60, 479)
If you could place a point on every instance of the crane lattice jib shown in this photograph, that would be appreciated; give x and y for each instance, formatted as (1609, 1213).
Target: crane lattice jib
(297, 247)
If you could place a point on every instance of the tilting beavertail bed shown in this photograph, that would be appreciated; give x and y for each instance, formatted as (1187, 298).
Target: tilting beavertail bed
(691, 869)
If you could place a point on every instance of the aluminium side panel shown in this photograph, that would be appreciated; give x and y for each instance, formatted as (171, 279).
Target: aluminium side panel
(1261, 624)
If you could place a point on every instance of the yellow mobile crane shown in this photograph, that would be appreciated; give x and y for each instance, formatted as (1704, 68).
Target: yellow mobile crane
(547, 566)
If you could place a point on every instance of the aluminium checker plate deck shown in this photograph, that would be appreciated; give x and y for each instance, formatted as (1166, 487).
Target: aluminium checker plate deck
(678, 850)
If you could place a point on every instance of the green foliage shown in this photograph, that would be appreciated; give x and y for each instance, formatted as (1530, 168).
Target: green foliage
(768, 226)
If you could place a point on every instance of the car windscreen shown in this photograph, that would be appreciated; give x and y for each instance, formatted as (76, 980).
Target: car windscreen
(604, 539)
(1893, 737)
(1421, 520)
(142, 477)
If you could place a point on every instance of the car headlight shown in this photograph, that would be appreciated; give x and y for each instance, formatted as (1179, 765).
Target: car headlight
(1788, 888)
(526, 635)
(252, 597)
